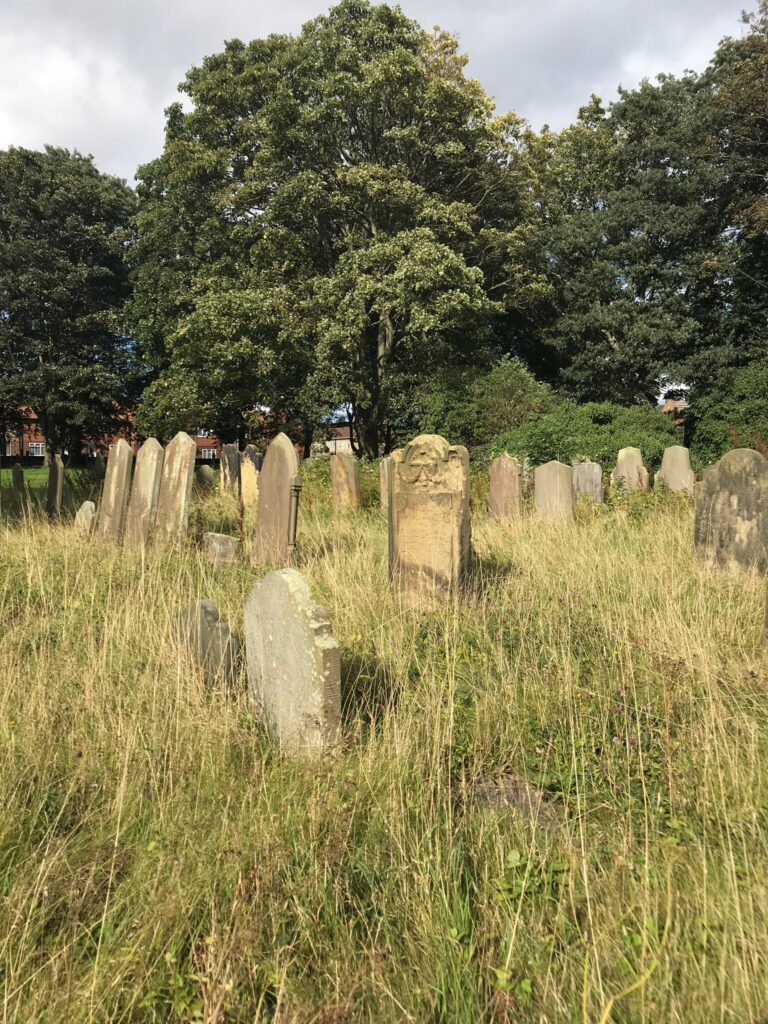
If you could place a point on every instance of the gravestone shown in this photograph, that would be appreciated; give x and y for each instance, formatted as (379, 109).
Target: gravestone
(676, 470)
(587, 479)
(250, 466)
(175, 490)
(17, 476)
(630, 470)
(142, 506)
(429, 523)
(504, 490)
(205, 477)
(85, 519)
(730, 524)
(229, 467)
(99, 466)
(279, 488)
(55, 486)
(294, 678)
(384, 468)
(114, 495)
(221, 549)
(208, 641)
(553, 491)
(345, 480)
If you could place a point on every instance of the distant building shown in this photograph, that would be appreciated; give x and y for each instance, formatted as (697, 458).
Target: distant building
(339, 440)
(674, 407)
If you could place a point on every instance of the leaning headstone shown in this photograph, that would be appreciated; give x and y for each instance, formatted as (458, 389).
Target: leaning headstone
(279, 488)
(345, 480)
(294, 677)
(504, 492)
(430, 531)
(85, 519)
(205, 477)
(553, 491)
(587, 479)
(730, 524)
(630, 470)
(175, 490)
(384, 469)
(221, 549)
(114, 496)
(17, 476)
(208, 641)
(99, 466)
(142, 507)
(676, 470)
(250, 465)
(55, 486)
(229, 464)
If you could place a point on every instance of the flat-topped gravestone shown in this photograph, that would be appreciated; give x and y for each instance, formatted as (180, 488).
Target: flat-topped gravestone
(229, 464)
(384, 467)
(55, 486)
(250, 466)
(553, 491)
(85, 519)
(430, 531)
(221, 549)
(587, 480)
(208, 641)
(142, 506)
(294, 677)
(175, 490)
(17, 476)
(676, 472)
(629, 469)
(345, 480)
(504, 490)
(279, 488)
(205, 477)
(99, 466)
(114, 495)
(730, 524)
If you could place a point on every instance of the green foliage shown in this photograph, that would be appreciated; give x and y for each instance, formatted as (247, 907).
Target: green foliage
(732, 415)
(596, 430)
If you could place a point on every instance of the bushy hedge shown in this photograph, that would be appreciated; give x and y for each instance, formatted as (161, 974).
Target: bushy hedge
(734, 415)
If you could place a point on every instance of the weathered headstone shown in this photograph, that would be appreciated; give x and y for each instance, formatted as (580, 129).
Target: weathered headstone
(553, 490)
(345, 480)
(205, 477)
(384, 469)
(731, 512)
(430, 530)
(114, 495)
(229, 467)
(587, 479)
(208, 641)
(294, 678)
(17, 476)
(250, 465)
(85, 519)
(175, 490)
(630, 470)
(99, 466)
(55, 486)
(504, 490)
(279, 488)
(142, 507)
(676, 470)
(221, 549)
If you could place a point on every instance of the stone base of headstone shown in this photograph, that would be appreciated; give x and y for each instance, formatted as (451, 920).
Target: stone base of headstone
(208, 641)
(221, 549)
(85, 519)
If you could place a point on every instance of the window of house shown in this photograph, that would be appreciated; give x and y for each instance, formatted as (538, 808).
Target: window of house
(202, 432)
(207, 453)
(36, 448)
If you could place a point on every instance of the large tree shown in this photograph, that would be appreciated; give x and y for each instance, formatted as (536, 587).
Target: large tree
(337, 216)
(63, 232)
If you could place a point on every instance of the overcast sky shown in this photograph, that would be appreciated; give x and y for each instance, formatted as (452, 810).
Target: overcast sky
(96, 75)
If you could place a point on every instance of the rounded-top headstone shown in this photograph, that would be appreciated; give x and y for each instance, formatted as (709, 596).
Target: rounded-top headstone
(504, 491)
(676, 472)
(205, 477)
(294, 676)
(279, 482)
(629, 469)
(85, 519)
(731, 512)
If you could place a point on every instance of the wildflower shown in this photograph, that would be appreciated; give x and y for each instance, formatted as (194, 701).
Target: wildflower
(619, 693)
(648, 707)
(633, 741)
(537, 794)
(615, 740)
(78, 753)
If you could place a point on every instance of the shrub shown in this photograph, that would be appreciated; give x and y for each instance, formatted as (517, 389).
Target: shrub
(734, 415)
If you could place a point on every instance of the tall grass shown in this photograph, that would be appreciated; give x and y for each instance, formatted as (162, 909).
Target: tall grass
(161, 860)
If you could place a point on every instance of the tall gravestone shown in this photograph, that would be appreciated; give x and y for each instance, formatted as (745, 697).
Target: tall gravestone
(384, 469)
(114, 495)
(504, 490)
(587, 480)
(55, 486)
(294, 677)
(142, 506)
(229, 465)
(345, 480)
(629, 469)
(17, 476)
(250, 466)
(175, 491)
(676, 472)
(429, 522)
(553, 491)
(279, 489)
(731, 512)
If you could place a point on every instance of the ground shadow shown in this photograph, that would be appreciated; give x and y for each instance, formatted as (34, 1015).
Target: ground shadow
(368, 689)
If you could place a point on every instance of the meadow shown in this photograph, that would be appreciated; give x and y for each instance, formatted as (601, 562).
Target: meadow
(549, 803)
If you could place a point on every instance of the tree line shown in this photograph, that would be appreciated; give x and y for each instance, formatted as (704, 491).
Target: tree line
(340, 219)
